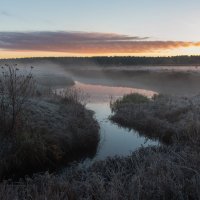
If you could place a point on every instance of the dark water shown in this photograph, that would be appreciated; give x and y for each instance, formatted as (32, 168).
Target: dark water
(114, 140)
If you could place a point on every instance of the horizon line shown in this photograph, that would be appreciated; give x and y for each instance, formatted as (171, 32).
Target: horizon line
(102, 56)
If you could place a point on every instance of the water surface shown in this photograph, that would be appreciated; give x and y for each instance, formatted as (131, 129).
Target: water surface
(114, 140)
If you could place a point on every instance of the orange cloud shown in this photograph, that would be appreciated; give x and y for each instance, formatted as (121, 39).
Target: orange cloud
(85, 43)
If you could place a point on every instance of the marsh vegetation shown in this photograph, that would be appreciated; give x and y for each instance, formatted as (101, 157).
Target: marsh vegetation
(171, 119)
(53, 128)
(149, 173)
(39, 133)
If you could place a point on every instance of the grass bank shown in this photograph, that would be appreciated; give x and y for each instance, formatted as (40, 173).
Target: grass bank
(149, 173)
(41, 133)
(162, 172)
(171, 119)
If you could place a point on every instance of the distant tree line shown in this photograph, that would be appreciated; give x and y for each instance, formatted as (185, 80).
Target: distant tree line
(114, 61)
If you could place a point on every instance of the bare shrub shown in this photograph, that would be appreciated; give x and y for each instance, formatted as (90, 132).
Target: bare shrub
(72, 95)
(15, 90)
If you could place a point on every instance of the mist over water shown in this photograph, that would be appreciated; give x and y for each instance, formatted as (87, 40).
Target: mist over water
(176, 80)
(103, 83)
(166, 80)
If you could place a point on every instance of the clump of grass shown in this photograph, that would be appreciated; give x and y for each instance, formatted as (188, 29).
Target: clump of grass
(133, 98)
(27, 153)
(168, 118)
(71, 95)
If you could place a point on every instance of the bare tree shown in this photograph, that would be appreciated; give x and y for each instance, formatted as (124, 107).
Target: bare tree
(15, 89)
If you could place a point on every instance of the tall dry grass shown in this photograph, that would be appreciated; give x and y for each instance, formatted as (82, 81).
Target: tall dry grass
(41, 133)
(168, 118)
(150, 173)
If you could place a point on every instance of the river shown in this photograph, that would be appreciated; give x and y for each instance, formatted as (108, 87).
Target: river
(114, 140)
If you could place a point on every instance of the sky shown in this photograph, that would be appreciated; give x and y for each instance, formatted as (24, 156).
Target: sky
(99, 27)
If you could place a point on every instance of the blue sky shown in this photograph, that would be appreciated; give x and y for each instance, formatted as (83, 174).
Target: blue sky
(163, 20)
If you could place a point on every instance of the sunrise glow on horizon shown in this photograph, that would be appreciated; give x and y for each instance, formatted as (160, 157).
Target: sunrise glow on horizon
(99, 28)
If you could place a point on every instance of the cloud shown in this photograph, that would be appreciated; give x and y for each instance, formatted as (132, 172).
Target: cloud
(85, 42)
(5, 13)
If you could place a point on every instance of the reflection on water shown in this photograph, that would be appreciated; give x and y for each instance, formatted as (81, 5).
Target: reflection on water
(102, 93)
(115, 140)
(166, 80)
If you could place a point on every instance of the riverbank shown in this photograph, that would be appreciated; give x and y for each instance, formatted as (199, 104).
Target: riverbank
(155, 172)
(160, 172)
(149, 173)
(171, 119)
(57, 134)
(41, 132)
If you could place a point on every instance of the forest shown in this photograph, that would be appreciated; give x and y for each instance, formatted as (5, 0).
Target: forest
(106, 61)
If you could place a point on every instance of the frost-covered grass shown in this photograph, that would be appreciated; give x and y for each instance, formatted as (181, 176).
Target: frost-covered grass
(56, 129)
(150, 173)
(168, 118)
(161, 172)
(129, 98)
(41, 133)
(53, 134)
